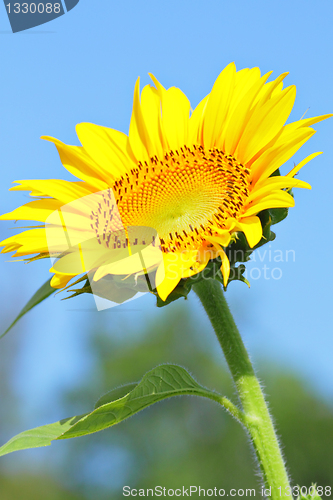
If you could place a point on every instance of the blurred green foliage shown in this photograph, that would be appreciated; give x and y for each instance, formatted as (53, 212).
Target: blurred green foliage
(179, 442)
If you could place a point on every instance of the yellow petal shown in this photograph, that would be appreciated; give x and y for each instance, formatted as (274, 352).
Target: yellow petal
(61, 190)
(268, 90)
(222, 239)
(278, 199)
(28, 242)
(251, 227)
(300, 165)
(125, 266)
(278, 154)
(61, 280)
(138, 136)
(78, 163)
(265, 123)
(238, 121)
(38, 210)
(225, 266)
(218, 105)
(307, 122)
(107, 147)
(244, 80)
(175, 115)
(167, 278)
(151, 112)
(272, 183)
(175, 266)
(196, 123)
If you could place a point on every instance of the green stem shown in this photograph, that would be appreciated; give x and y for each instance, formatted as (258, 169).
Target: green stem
(257, 419)
(229, 406)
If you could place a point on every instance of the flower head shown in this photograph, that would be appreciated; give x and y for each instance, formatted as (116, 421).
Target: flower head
(197, 179)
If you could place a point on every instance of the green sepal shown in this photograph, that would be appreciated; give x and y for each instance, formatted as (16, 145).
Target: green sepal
(237, 274)
(117, 288)
(278, 214)
(77, 291)
(181, 291)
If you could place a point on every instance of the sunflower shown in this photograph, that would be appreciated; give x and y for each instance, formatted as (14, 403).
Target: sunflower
(193, 179)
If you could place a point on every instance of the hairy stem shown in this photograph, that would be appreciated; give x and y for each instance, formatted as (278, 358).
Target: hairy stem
(257, 419)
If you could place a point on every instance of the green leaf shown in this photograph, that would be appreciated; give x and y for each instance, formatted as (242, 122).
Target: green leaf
(40, 436)
(117, 393)
(43, 293)
(160, 383)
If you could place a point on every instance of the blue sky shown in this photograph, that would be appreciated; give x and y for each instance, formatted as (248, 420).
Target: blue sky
(83, 67)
